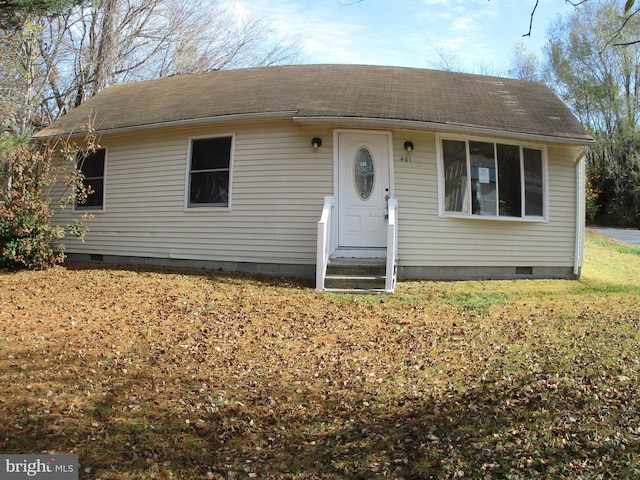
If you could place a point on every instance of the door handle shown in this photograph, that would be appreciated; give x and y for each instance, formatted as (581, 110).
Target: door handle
(386, 204)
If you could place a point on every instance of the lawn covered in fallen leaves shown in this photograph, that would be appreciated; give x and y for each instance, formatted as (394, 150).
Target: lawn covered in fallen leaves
(149, 373)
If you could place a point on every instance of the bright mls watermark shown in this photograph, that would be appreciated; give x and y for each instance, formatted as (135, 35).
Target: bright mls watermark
(49, 467)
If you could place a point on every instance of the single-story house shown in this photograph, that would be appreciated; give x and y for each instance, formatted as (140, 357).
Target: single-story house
(295, 170)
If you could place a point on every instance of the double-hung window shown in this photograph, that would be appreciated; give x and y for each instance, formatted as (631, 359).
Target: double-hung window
(209, 172)
(92, 166)
(480, 178)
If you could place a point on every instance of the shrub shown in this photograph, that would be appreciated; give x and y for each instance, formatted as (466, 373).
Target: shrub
(28, 239)
(592, 195)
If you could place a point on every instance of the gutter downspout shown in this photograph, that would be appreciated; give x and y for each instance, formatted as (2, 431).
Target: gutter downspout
(580, 213)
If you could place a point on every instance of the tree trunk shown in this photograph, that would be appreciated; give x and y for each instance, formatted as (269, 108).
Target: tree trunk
(107, 46)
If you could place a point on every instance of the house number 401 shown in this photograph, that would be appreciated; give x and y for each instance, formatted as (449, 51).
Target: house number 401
(406, 159)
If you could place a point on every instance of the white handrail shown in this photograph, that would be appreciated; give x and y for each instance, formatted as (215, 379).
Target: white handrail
(392, 245)
(323, 242)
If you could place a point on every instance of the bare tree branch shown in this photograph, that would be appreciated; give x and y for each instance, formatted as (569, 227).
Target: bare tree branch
(617, 34)
(535, 7)
(528, 34)
(62, 60)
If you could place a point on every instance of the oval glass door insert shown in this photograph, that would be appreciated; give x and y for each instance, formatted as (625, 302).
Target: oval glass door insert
(364, 174)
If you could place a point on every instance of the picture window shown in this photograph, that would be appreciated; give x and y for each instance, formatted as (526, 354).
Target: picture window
(491, 179)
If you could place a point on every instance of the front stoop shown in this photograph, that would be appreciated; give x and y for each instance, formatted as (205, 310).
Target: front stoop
(362, 275)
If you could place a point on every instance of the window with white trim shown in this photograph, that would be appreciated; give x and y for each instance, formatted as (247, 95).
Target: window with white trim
(492, 179)
(92, 166)
(209, 172)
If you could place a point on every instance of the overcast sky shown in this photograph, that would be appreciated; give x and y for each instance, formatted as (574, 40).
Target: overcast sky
(478, 35)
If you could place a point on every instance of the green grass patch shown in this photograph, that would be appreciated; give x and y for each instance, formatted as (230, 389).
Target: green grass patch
(476, 301)
(616, 246)
(604, 288)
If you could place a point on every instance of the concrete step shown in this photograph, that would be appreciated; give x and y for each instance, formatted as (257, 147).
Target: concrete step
(359, 274)
(357, 291)
(357, 266)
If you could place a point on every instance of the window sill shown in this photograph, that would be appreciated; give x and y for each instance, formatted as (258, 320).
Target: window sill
(88, 210)
(495, 218)
(207, 208)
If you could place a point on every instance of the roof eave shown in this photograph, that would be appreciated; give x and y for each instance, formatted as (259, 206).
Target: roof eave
(192, 122)
(323, 121)
(443, 127)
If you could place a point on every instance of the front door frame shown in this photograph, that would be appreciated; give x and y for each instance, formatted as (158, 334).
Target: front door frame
(336, 174)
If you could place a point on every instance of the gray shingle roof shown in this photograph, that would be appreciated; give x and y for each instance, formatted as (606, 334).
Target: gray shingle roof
(347, 91)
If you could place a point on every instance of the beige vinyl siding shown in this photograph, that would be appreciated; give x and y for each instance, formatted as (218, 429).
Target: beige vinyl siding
(427, 240)
(278, 186)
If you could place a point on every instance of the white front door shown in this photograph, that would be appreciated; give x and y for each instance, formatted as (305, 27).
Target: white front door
(363, 189)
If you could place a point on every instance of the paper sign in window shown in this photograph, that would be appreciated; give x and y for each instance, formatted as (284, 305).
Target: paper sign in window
(484, 175)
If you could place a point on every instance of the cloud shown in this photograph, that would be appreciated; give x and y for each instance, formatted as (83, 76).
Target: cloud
(401, 32)
(322, 35)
